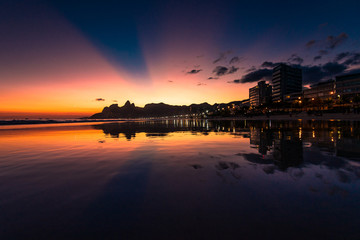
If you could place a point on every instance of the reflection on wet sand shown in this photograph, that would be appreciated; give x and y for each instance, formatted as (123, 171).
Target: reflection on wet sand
(185, 179)
(280, 144)
(284, 139)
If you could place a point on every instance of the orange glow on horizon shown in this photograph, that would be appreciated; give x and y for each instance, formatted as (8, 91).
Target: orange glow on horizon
(64, 77)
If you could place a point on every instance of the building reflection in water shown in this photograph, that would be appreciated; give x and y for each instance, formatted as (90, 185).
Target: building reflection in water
(285, 141)
(282, 144)
(290, 147)
(282, 141)
(163, 173)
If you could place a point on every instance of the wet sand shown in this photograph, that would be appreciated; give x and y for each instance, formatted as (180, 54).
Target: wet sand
(304, 116)
(287, 117)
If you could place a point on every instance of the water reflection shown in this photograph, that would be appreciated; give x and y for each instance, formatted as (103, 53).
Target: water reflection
(280, 144)
(181, 179)
(284, 139)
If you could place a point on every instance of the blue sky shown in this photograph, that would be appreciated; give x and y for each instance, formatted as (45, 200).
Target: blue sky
(282, 28)
(178, 52)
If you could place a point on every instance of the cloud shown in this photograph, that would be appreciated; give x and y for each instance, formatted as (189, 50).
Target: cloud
(232, 69)
(194, 71)
(234, 60)
(334, 41)
(235, 81)
(317, 58)
(222, 56)
(330, 43)
(200, 84)
(99, 99)
(295, 59)
(170, 81)
(257, 75)
(218, 60)
(313, 74)
(341, 56)
(343, 63)
(354, 59)
(351, 58)
(253, 68)
(267, 64)
(333, 68)
(211, 78)
(310, 43)
(357, 71)
(220, 70)
(323, 52)
(115, 100)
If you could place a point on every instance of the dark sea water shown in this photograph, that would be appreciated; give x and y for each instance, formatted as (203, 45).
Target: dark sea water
(181, 180)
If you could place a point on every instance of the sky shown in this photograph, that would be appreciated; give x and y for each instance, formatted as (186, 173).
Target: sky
(63, 59)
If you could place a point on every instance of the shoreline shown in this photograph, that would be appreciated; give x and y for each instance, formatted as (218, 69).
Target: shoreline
(301, 116)
(287, 117)
(51, 121)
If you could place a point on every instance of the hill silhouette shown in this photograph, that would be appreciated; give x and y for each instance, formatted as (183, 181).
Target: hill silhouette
(129, 110)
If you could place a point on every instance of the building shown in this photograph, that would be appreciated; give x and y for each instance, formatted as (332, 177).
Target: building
(254, 96)
(321, 90)
(265, 92)
(245, 103)
(285, 80)
(295, 97)
(260, 94)
(348, 85)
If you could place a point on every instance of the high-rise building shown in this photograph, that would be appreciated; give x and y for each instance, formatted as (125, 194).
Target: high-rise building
(254, 96)
(260, 94)
(285, 80)
(348, 85)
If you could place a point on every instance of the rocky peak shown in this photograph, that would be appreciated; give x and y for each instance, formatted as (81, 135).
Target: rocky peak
(129, 105)
(113, 106)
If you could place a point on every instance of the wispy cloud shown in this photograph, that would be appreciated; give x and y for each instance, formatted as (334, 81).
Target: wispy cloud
(334, 41)
(194, 71)
(317, 58)
(234, 60)
(330, 43)
(235, 81)
(222, 56)
(222, 70)
(310, 43)
(294, 58)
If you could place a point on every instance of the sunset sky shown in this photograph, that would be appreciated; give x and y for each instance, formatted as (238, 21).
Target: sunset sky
(72, 58)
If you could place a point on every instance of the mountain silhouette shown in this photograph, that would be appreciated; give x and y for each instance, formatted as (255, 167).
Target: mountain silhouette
(129, 110)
